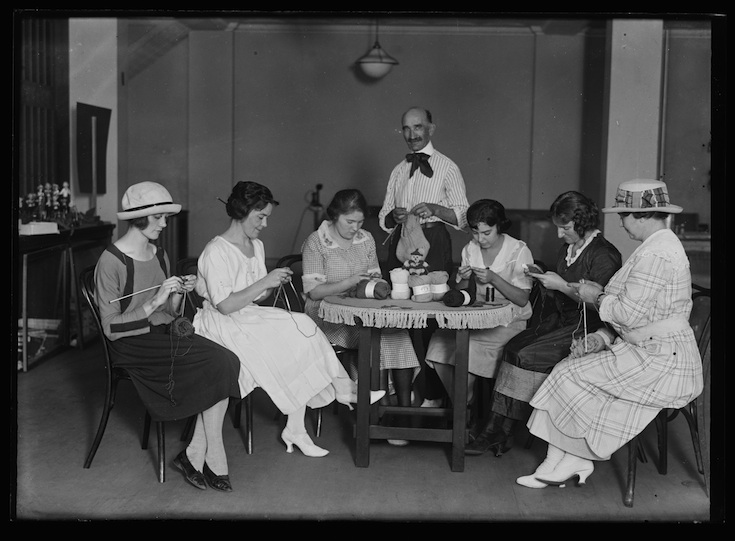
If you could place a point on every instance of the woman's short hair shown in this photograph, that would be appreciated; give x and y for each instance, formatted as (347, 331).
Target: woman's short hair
(490, 212)
(575, 207)
(247, 196)
(345, 202)
(139, 223)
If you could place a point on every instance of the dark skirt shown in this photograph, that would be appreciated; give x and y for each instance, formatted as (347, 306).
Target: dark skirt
(528, 358)
(177, 377)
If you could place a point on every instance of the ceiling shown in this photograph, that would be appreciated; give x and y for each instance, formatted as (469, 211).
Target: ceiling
(151, 37)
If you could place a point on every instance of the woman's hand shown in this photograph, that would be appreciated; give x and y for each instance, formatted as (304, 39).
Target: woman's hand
(484, 275)
(587, 291)
(550, 280)
(188, 282)
(464, 272)
(593, 344)
(278, 277)
(168, 287)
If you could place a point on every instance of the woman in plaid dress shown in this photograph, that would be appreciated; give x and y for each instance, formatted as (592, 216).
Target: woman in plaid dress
(336, 257)
(618, 379)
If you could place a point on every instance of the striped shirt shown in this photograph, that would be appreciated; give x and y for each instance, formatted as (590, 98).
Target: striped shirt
(446, 188)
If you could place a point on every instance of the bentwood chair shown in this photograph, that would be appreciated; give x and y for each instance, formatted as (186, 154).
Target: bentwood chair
(194, 301)
(694, 412)
(113, 376)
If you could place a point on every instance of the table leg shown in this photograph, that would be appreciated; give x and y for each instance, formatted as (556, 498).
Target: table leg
(459, 410)
(25, 311)
(362, 435)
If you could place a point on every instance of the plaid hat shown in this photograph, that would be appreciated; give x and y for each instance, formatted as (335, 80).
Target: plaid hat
(643, 195)
(145, 199)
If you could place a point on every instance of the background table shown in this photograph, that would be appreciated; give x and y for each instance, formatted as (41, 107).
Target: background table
(371, 315)
(49, 268)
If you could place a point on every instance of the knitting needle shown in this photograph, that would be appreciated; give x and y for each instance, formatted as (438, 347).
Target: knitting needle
(131, 294)
(584, 315)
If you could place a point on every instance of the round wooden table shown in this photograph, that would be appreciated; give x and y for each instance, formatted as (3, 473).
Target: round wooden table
(372, 315)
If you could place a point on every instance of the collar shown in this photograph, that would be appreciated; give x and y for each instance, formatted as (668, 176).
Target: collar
(571, 259)
(428, 149)
(325, 237)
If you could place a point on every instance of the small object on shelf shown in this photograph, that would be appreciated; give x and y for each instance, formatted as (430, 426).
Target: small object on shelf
(38, 228)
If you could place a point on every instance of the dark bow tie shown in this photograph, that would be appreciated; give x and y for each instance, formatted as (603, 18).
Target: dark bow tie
(419, 160)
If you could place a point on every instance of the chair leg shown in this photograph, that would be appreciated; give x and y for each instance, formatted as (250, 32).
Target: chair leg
(691, 416)
(237, 415)
(632, 463)
(319, 422)
(100, 431)
(188, 431)
(146, 431)
(529, 441)
(249, 420)
(109, 403)
(662, 424)
(160, 432)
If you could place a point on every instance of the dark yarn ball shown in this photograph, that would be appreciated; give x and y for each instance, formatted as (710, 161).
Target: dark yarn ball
(454, 297)
(182, 327)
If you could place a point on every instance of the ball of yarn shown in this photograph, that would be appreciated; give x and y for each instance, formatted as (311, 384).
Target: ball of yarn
(438, 284)
(456, 297)
(399, 279)
(182, 327)
(420, 288)
(375, 288)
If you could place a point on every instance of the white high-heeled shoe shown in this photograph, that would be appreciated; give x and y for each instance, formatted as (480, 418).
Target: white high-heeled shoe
(569, 467)
(545, 468)
(553, 457)
(349, 399)
(303, 442)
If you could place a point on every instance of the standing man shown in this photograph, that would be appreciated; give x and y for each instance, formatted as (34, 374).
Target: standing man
(429, 185)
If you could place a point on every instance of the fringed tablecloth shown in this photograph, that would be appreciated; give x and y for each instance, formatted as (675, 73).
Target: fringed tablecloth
(408, 314)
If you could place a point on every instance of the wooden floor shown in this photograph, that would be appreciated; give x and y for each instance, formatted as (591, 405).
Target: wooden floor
(59, 402)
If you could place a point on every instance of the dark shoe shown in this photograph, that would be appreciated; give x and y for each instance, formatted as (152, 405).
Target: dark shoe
(217, 482)
(192, 475)
(487, 441)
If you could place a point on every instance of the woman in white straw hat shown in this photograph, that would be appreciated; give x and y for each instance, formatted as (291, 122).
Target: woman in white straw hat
(176, 374)
(645, 359)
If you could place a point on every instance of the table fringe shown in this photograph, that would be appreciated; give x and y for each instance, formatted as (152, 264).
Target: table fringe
(416, 318)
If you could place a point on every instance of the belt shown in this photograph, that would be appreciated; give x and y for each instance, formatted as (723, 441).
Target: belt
(657, 329)
(429, 225)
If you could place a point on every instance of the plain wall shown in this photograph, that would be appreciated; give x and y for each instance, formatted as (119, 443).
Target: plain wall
(521, 112)
(509, 108)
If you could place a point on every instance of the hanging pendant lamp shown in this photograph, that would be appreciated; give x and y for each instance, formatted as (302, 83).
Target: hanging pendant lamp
(376, 63)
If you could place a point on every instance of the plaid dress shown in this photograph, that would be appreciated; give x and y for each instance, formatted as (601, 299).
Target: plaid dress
(593, 405)
(325, 262)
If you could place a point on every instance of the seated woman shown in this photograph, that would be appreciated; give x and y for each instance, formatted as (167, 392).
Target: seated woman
(337, 257)
(138, 301)
(529, 357)
(495, 261)
(284, 353)
(617, 380)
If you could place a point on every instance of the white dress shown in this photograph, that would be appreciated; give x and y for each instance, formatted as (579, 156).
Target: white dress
(486, 345)
(284, 353)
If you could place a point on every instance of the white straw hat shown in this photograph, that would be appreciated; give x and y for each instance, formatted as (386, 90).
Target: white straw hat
(145, 199)
(643, 195)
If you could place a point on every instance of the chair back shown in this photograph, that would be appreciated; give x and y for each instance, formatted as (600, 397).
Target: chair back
(295, 299)
(86, 281)
(700, 319)
(188, 265)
